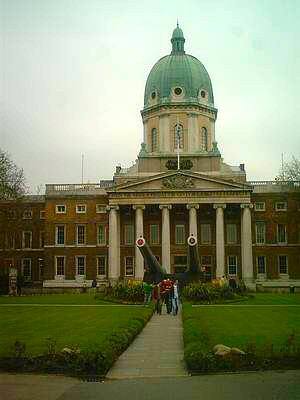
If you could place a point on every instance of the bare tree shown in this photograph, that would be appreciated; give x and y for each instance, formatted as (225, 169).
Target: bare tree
(12, 180)
(290, 171)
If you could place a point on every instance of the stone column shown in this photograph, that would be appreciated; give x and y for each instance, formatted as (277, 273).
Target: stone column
(164, 133)
(114, 244)
(220, 247)
(193, 229)
(165, 237)
(139, 231)
(246, 244)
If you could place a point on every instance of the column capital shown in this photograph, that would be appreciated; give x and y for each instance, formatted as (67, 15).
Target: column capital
(112, 207)
(138, 207)
(168, 206)
(192, 205)
(246, 205)
(219, 205)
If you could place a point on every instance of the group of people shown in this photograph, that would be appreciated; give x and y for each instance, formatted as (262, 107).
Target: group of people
(165, 292)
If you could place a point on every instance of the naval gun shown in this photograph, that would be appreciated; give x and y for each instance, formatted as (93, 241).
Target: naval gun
(156, 273)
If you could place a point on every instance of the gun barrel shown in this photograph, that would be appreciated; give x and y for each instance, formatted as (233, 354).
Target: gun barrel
(152, 263)
(193, 255)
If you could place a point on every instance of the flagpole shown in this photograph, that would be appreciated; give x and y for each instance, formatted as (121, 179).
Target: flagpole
(178, 138)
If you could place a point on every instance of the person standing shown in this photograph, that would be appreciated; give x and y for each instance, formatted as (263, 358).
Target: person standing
(175, 297)
(156, 295)
(94, 286)
(147, 287)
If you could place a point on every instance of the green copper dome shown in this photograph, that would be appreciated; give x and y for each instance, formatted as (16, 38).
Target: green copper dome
(178, 77)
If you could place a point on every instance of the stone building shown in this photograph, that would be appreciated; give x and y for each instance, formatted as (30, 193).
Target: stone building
(179, 185)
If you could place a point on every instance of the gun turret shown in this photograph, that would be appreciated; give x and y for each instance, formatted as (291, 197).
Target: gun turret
(155, 271)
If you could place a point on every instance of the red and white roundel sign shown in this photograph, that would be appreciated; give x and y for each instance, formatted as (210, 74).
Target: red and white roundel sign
(140, 242)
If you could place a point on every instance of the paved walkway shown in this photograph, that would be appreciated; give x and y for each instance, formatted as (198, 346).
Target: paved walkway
(156, 352)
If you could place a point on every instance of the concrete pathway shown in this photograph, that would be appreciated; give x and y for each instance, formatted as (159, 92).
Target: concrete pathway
(156, 352)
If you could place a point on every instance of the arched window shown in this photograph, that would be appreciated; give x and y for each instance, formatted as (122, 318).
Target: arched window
(154, 139)
(178, 136)
(204, 139)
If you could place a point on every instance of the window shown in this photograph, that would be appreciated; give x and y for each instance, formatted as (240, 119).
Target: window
(281, 206)
(204, 139)
(101, 235)
(205, 232)
(100, 208)
(178, 136)
(27, 240)
(80, 208)
(154, 139)
(42, 239)
(26, 269)
(60, 265)
(27, 214)
(129, 266)
(178, 91)
(60, 235)
(283, 265)
(232, 265)
(61, 209)
(10, 240)
(41, 269)
(101, 265)
(231, 233)
(128, 234)
(260, 230)
(80, 265)
(80, 234)
(42, 214)
(281, 234)
(261, 265)
(154, 234)
(260, 206)
(179, 234)
(202, 93)
(180, 263)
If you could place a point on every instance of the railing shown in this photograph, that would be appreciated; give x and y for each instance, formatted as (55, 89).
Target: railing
(74, 187)
(274, 186)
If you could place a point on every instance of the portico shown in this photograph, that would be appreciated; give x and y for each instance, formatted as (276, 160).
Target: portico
(193, 204)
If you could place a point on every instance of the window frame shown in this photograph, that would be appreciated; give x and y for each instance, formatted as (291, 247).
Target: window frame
(285, 234)
(204, 138)
(154, 143)
(27, 278)
(104, 257)
(27, 210)
(42, 214)
(260, 209)
(125, 266)
(257, 265)
(287, 265)
(126, 241)
(235, 233)
(83, 257)
(104, 242)
(57, 209)
(23, 240)
(202, 231)
(177, 242)
(232, 265)
(262, 223)
(42, 239)
(56, 235)
(77, 234)
(61, 276)
(81, 205)
(151, 237)
(98, 206)
(281, 209)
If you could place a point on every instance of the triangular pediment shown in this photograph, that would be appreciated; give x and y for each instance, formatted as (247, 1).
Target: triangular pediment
(179, 180)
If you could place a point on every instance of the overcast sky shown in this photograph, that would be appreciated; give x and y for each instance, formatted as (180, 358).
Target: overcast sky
(73, 74)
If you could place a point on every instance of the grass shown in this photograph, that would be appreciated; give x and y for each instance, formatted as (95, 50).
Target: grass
(85, 327)
(237, 326)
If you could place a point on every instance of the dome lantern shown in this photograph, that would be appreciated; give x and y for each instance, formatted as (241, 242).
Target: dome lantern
(177, 41)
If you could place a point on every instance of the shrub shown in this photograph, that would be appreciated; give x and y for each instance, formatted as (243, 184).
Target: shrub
(211, 293)
(130, 292)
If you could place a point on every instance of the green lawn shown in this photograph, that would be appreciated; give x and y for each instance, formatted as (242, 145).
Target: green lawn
(263, 320)
(82, 326)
